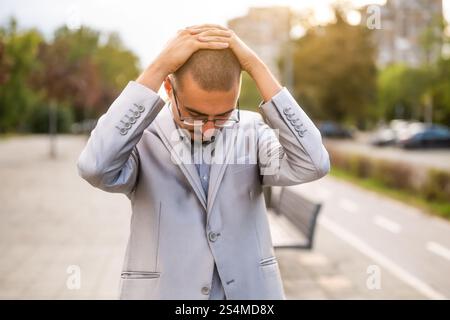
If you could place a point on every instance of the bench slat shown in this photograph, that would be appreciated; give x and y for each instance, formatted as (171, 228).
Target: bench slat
(301, 212)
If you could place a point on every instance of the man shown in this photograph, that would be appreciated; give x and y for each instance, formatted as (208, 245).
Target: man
(194, 169)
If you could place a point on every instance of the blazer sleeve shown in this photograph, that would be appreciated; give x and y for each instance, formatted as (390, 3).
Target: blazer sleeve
(290, 149)
(110, 160)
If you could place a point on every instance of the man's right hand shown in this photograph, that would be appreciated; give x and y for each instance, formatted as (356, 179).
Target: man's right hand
(178, 50)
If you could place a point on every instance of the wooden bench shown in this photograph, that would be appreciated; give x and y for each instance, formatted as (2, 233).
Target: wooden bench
(292, 218)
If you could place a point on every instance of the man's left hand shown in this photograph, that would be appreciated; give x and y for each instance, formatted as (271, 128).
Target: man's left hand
(267, 84)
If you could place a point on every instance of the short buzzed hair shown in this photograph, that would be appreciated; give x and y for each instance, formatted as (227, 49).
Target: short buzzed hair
(213, 70)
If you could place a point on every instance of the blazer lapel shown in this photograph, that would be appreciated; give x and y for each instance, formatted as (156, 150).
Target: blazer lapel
(179, 150)
(223, 154)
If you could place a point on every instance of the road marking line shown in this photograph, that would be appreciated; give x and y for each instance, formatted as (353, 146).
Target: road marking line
(387, 224)
(438, 249)
(348, 205)
(398, 271)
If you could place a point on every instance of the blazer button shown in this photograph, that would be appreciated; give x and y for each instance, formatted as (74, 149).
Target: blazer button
(122, 131)
(126, 125)
(131, 119)
(205, 290)
(212, 236)
(287, 110)
(140, 108)
(136, 114)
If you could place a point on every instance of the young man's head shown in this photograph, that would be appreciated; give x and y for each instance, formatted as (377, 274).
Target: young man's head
(206, 87)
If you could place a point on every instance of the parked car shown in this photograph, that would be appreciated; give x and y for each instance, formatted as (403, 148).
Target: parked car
(384, 137)
(410, 130)
(331, 129)
(430, 137)
(398, 130)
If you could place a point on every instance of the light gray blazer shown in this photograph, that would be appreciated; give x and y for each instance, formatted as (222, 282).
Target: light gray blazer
(177, 232)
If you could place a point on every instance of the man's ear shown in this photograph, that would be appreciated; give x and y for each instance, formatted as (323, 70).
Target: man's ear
(168, 86)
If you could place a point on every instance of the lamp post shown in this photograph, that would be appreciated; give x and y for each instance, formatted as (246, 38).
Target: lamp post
(52, 129)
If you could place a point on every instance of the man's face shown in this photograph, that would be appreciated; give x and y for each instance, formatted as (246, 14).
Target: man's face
(195, 102)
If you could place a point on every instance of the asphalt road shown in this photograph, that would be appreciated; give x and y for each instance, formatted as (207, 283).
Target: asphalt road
(404, 241)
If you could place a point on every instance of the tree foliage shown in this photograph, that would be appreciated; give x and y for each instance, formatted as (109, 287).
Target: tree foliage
(334, 72)
(18, 51)
(80, 71)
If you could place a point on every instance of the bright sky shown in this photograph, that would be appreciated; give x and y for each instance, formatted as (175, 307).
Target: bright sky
(145, 26)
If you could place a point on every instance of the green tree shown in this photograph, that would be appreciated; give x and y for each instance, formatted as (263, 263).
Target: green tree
(68, 75)
(78, 72)
(116, 66)
(401, 91)
(18, 55)
(334, 72)
(440, 92)
(250, 97)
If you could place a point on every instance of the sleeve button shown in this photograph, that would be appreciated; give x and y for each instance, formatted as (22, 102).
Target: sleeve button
(131, 119)
(287, 110)
(140, 108)
(290, 116)
(135, 114)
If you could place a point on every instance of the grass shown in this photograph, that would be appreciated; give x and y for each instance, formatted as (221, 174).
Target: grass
(4, 136)
(441, 209)
(9, 135)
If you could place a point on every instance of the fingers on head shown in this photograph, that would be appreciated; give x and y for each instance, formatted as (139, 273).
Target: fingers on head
(213, 39)
(210, 30)
(183, 32)
(215, 32)
(208, 36)
(207, 26)
(213, 45)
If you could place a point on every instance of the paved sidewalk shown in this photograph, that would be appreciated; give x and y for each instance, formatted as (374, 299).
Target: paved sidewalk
(51, 219)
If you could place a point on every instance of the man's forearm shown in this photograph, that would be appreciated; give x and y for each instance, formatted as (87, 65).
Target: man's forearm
(153, 76)
(267, 85)
(106, 160)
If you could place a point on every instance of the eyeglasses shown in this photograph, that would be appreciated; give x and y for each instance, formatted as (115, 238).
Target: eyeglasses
(220, 122)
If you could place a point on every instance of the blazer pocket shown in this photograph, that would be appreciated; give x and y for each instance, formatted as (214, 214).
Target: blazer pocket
(268, 261)
(140, 275)
(269, 267)
(139, 285)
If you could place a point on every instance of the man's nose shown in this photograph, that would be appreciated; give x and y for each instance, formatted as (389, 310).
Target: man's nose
(208, 126)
